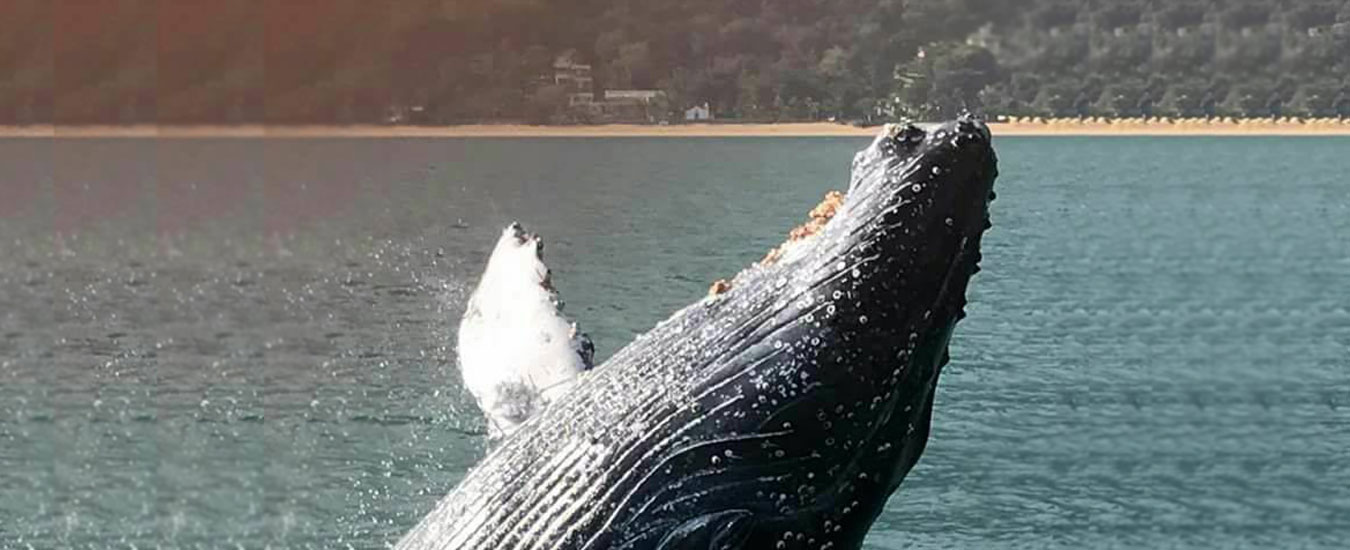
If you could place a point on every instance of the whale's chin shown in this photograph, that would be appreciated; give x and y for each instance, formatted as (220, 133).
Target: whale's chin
(780, 411)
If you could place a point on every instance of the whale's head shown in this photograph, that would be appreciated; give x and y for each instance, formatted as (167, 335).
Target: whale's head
(817, 368)
(917, 205)
(892, 261)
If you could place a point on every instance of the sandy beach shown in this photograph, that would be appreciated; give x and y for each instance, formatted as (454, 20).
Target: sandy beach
(1014, 127)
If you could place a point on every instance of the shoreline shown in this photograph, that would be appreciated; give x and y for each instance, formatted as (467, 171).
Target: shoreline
(1052, 127)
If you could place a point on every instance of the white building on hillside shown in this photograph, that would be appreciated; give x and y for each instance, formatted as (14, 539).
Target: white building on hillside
(643, 96)
(698, 112)
(571, 75)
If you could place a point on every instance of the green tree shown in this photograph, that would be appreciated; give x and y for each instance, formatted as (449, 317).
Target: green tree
(1058, 98)
(1248, 99)
(1184, 99)
(546, 104)
(480, 59)
(1121, 99)
(1115, 15)
(1245, 14)
(1314, 100)
(945, 80)
(1180, 14)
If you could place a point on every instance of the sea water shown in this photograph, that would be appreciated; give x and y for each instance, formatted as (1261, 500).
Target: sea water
(247, 343)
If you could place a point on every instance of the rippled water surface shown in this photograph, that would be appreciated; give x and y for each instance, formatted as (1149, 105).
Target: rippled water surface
(248, 343)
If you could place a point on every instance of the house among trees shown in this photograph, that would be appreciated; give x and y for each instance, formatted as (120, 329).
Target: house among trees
(633, 96)
(698, 112)
(634, 105)
(575, 79)
(580, 99)
(571, 75)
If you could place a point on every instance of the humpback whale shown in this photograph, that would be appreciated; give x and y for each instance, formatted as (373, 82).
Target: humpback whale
(782, 410)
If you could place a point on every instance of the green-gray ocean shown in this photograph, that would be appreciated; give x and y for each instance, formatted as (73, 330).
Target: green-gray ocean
(248, 343)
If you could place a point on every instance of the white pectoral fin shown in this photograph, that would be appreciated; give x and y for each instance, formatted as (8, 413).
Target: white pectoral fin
(517, 351)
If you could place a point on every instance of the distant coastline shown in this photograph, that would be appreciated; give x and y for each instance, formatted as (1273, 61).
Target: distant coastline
(1012, 127)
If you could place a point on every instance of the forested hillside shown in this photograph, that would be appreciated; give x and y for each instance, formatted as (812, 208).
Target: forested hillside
(473, 60)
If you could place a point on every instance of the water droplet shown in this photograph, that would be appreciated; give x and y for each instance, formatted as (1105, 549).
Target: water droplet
(937, 170)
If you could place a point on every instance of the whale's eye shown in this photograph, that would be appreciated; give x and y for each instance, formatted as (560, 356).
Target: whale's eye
(910, 135)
